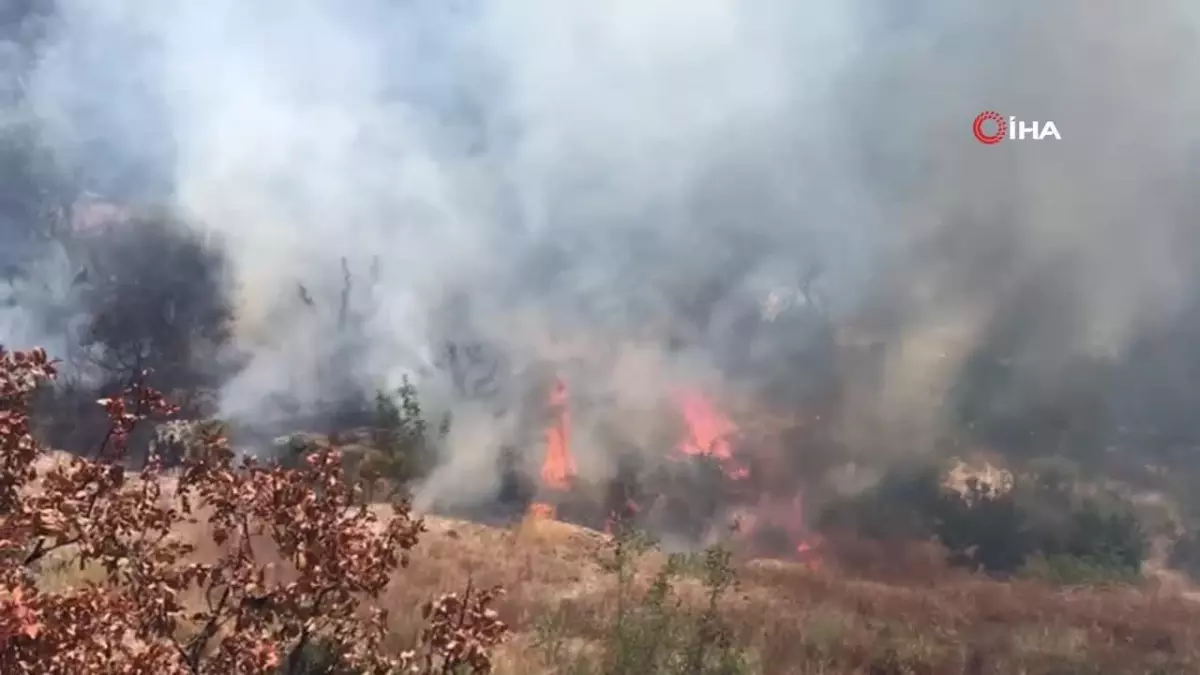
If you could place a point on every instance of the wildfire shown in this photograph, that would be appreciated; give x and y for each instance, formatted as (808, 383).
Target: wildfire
(558, 467)
(809, 555)
(808, 549)
(708, 432)
(772, 518)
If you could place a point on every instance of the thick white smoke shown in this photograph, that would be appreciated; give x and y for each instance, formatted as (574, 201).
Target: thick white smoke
(586, 175)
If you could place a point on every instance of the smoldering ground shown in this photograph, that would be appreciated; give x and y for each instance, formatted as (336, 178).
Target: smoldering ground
(615, 188)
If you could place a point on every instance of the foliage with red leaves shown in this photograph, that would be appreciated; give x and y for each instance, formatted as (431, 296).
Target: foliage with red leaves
(302, 558)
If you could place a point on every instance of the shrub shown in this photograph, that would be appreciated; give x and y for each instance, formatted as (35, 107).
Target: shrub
(654, 630)
(403, 447)
(901, 506)
(998, 533)
(158, 298)
(984, 530)
(1108, 536)
(1076, 571)
(299, 567)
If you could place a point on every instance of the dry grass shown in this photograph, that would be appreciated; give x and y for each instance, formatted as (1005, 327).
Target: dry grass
(799, 621)
(795, 620)
(965, 626)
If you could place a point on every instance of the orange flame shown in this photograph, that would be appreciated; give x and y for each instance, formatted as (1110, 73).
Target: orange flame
(558, 467)
(708, 432)
(809, 553)
(807, 549)
(780, 516)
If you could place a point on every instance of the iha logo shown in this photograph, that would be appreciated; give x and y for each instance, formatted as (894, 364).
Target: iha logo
(990, 128)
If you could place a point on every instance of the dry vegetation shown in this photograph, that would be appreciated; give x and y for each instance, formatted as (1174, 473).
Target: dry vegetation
(792, 619)
(99, 595)
(295, 563)
(795, 620)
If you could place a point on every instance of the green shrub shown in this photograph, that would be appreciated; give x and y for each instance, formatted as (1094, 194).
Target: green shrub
(1111, 537)
(901, 506)
(1076, 571)
(1042, 515)
(650, 631)
(402, 447)
(983, 530)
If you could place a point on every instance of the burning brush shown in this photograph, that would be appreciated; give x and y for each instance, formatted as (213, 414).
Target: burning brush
(709, 433)
(558, 467)
(681, 495)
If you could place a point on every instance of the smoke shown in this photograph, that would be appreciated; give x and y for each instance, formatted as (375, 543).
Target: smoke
(609, 186)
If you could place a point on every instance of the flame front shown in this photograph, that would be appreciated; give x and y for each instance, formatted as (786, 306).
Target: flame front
(808, 546)
(708, 432)
(558, 467)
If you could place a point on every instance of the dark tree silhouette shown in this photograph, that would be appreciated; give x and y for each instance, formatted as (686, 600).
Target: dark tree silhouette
(158, 297)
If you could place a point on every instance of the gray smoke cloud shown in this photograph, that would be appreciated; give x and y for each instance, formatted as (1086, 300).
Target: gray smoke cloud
(585, 180)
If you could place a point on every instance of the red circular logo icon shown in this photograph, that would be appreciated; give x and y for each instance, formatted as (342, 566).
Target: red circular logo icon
(984, 137)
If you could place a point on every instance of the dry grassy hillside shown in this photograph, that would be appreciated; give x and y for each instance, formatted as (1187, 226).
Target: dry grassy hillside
(796, 620)
(902, 611)
(579, 602)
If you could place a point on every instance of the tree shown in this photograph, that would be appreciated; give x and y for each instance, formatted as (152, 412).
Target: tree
(331, 556)
(158, 294)
(403, 449)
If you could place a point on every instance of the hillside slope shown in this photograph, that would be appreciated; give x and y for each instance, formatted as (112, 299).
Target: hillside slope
(796, 620)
